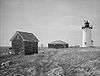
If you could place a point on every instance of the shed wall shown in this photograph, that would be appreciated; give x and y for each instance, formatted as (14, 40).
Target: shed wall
(17, 44)
(30, 47)
(25, 47)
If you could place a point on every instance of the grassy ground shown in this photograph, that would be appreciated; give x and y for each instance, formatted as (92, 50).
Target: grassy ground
(54, 62)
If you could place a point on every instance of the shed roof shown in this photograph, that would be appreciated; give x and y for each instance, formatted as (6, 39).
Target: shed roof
(58, 42)
(25, 36)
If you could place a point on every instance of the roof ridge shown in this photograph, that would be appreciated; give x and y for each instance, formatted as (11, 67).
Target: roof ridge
(25, 32)
(27, 36)
(58, 41)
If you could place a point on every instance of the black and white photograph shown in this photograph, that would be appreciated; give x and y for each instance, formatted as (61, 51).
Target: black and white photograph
(49, 37)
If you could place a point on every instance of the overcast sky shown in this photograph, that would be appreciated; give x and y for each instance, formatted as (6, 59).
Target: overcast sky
(49, 20)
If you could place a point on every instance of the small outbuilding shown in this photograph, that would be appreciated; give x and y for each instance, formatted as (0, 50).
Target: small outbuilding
(58, 44)
(24, 42)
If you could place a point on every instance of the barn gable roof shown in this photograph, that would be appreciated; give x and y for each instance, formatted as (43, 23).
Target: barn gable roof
(58, 42)
(25, 36)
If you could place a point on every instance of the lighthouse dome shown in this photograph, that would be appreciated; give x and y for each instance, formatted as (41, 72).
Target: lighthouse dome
(86, 24)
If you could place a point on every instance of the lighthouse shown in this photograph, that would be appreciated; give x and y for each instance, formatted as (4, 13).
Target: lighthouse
(87, 35)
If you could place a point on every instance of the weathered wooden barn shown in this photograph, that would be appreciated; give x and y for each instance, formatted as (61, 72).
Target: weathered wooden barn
(58, 44)
(24, 42)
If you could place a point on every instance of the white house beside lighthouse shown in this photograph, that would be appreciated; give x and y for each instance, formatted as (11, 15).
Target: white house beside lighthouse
(87, 35)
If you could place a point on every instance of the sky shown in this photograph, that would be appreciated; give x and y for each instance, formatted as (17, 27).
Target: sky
(49, 20)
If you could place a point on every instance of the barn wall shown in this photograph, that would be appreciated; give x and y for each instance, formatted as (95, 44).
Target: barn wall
(30, 47)
(57, 46)
(50, 46)
(17, 44)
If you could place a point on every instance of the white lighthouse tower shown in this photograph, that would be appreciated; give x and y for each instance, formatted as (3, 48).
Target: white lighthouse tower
(87, 35)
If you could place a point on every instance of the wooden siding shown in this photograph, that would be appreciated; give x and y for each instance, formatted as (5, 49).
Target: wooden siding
(30, 47)
(57, 46)
(21, 46)
(17, 44)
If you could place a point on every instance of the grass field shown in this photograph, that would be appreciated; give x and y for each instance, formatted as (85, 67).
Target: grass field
(53, 62)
